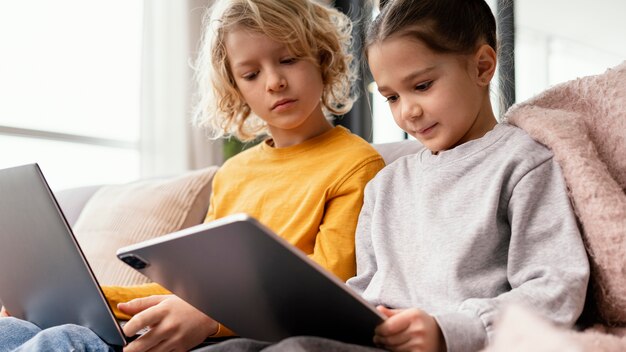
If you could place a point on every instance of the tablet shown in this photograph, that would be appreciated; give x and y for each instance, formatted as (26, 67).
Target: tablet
(243, 275)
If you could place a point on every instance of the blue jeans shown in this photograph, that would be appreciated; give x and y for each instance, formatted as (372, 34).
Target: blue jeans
(18, 335)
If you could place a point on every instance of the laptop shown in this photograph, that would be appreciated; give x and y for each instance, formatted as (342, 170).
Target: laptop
(44, 276)
(243, 275)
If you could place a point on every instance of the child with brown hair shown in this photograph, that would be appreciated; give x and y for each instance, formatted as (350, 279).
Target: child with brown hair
(280, 68)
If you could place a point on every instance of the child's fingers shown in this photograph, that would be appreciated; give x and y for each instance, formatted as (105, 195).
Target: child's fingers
(148, 341)
(388, 311)
(392, 341)
(4, 312)
(147, 318)
(146, 312)
(397, 322)
(140, 304)
(410, 344)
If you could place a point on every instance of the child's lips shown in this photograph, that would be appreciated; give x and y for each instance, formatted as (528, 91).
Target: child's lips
(427, 130)
(282, 104)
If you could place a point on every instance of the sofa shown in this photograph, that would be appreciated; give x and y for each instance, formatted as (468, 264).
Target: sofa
(582, 121)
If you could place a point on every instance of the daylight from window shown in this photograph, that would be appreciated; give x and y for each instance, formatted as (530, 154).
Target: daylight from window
(70, 89)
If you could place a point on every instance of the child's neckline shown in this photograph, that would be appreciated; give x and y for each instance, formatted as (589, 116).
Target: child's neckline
(468, 148)
(304, 146)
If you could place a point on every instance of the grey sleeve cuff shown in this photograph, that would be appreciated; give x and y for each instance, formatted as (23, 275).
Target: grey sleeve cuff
(462, 332)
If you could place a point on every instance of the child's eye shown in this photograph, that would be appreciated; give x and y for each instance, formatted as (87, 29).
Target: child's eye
(424, 86)
(391, 99)
(289, 60)
(249, 76)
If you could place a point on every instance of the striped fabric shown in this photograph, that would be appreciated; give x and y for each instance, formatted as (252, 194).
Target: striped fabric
(120, 215)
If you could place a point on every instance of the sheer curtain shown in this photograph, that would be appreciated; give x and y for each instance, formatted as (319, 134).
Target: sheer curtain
(169, 142)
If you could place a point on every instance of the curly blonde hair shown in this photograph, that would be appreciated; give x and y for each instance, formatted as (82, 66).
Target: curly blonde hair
(309, 29)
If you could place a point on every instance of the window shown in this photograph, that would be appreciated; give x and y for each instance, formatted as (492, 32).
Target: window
(70, 89)
(384, 128)
(560, 40)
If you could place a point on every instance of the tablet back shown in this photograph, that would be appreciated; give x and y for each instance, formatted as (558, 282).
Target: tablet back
(246, 277)
(44, 277)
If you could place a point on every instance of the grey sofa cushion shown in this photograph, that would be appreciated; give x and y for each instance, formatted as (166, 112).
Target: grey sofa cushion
(73, 200)
(392, 151)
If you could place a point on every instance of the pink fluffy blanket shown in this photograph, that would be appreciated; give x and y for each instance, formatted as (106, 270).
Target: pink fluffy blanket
(584, 123)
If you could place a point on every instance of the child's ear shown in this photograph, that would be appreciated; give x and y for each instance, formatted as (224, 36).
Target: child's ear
(486, 60)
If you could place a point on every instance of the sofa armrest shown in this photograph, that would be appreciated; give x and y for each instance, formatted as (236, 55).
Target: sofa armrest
(73, 200)
(394, 150)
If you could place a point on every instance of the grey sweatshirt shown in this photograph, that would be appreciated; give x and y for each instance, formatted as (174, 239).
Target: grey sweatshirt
(464, 232)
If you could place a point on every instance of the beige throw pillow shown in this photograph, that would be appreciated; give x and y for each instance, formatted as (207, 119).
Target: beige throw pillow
(120, 215)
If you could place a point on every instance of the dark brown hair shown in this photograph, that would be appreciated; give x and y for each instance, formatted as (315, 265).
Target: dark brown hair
(445, 26)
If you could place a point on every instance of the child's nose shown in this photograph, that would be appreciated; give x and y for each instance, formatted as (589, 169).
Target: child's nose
(276, 82)
(411, 110)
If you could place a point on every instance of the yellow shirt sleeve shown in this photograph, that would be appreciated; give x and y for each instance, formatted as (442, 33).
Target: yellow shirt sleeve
(334, 243)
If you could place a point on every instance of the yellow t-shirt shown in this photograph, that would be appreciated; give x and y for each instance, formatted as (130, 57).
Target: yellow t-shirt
(310, 194)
